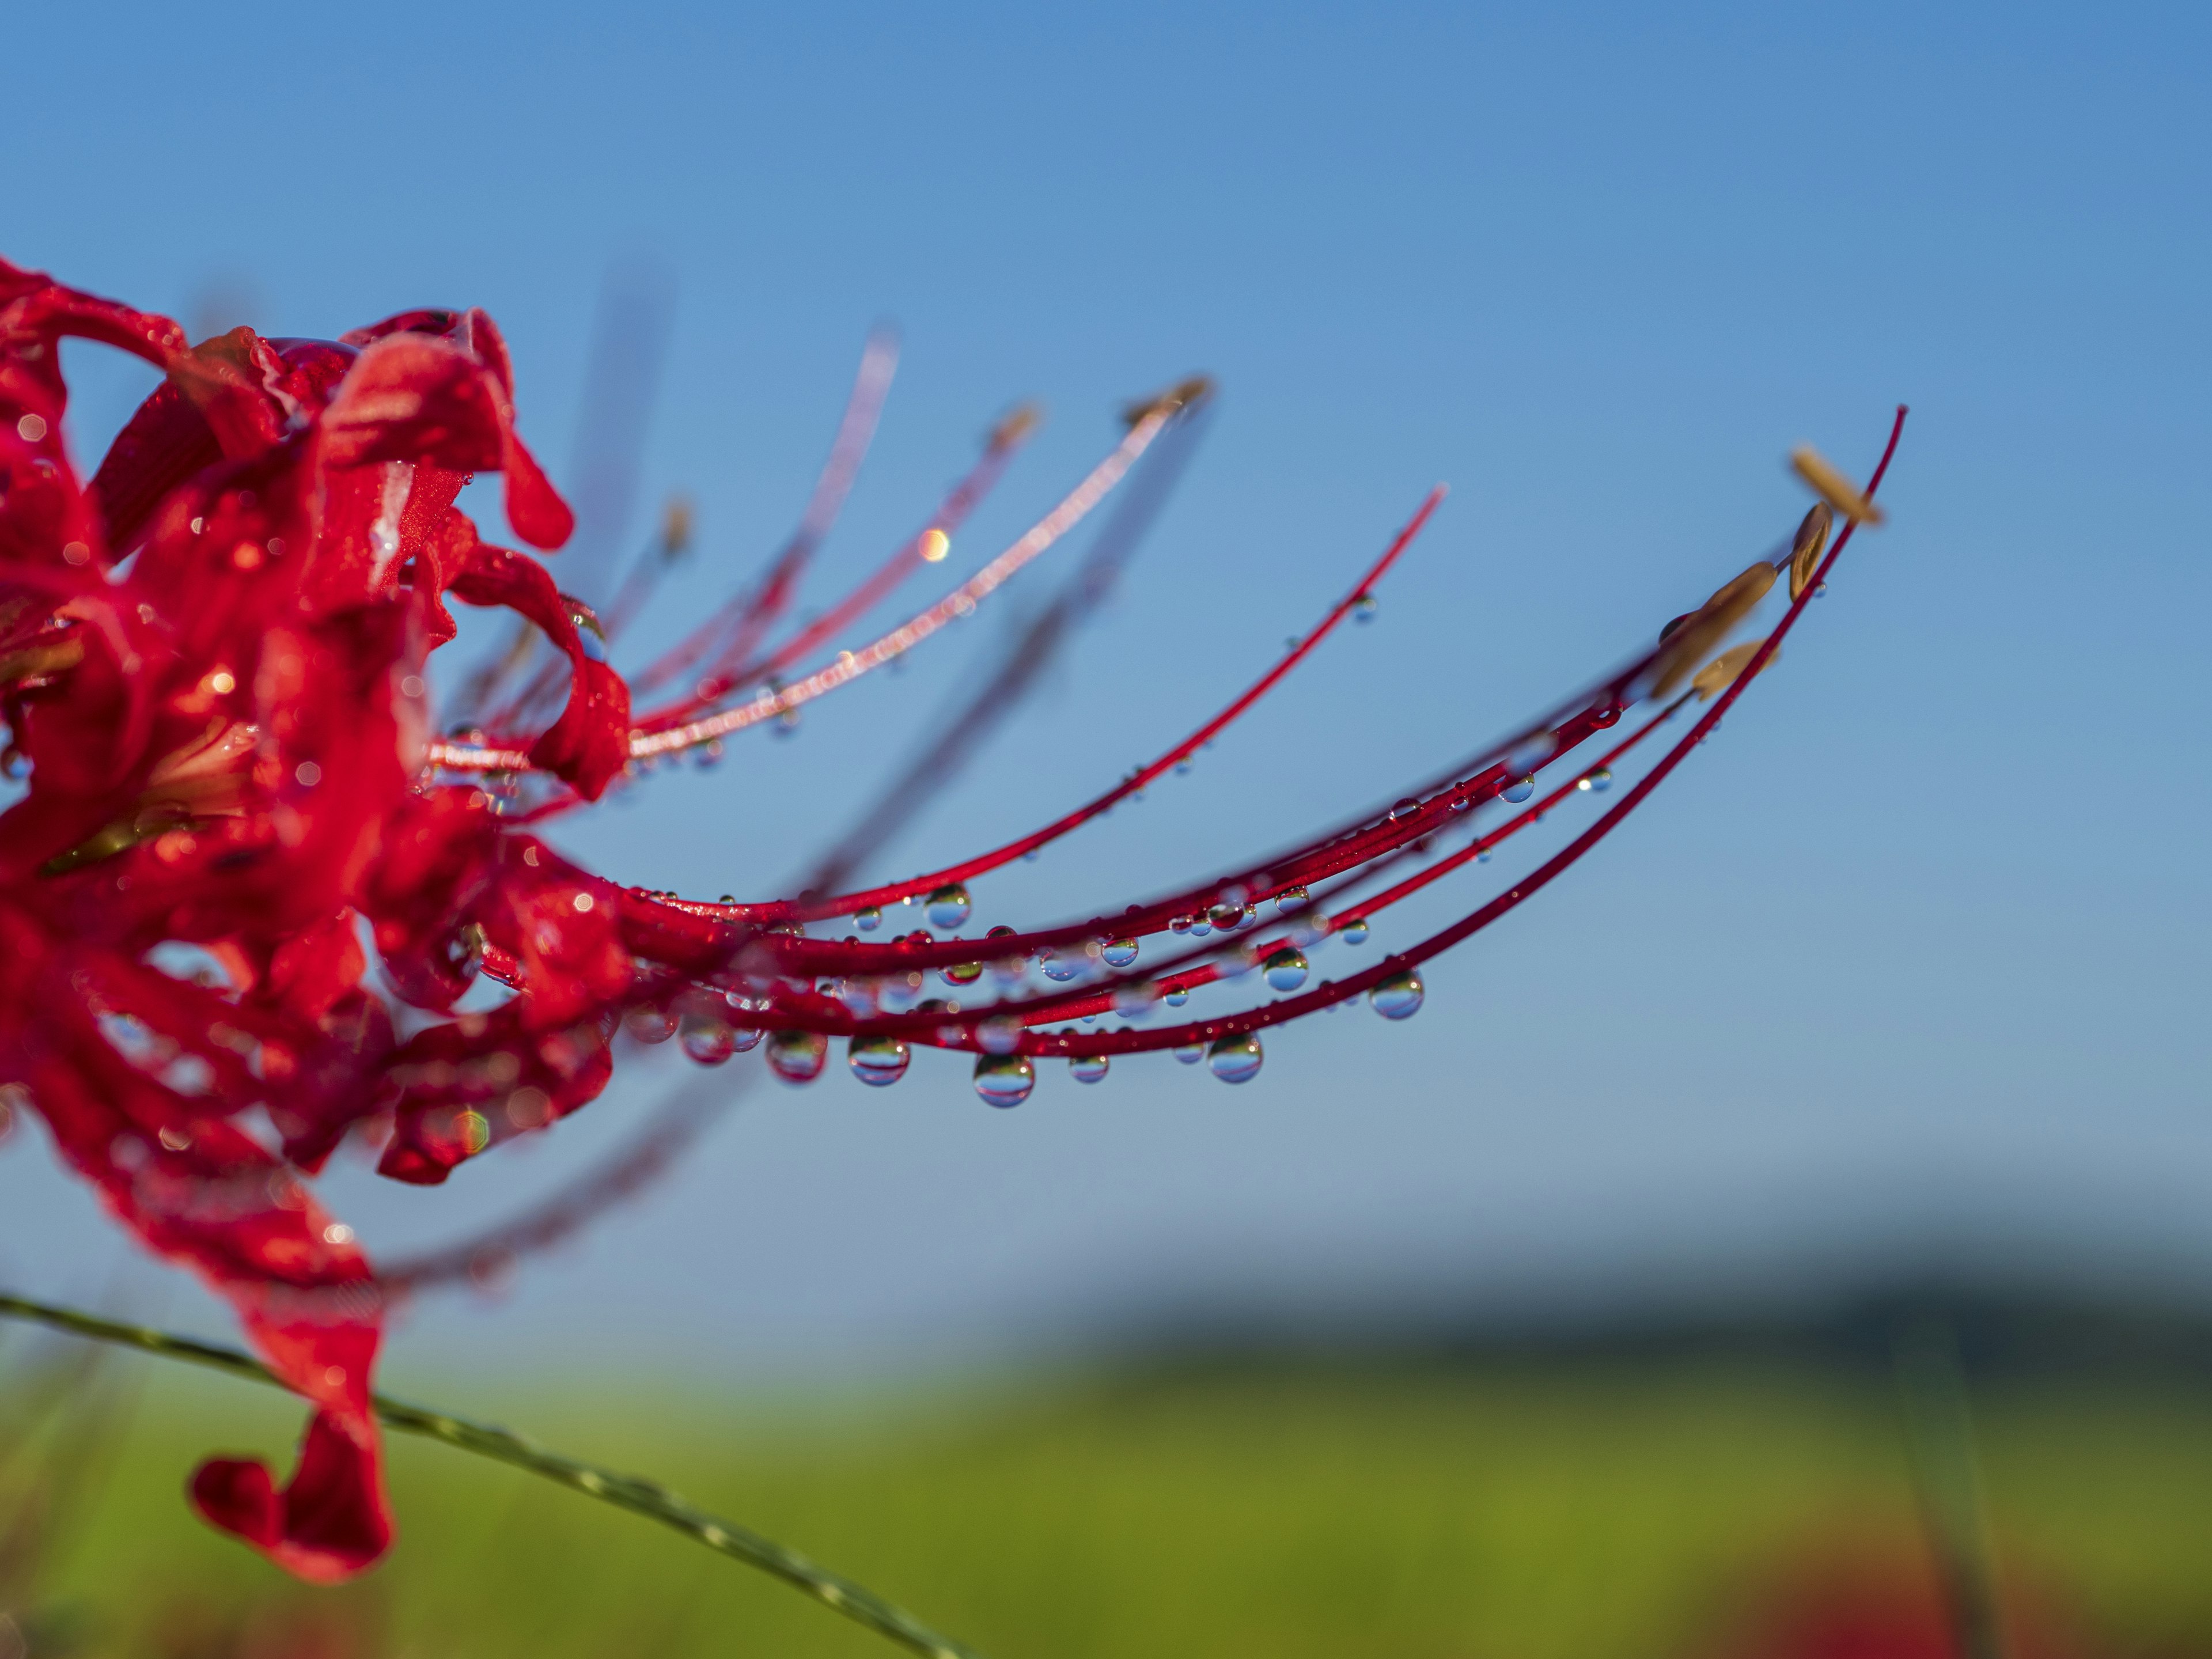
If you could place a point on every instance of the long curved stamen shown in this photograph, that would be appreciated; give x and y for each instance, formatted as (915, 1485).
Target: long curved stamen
(845, 904)
(925, 548)
(731, 634)
(852, 664)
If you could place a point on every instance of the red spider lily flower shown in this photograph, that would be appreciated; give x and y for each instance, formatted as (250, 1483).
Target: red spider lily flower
(213, 672)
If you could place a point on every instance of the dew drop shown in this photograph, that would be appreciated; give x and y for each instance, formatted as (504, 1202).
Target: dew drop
(1134, 1002)
(949, 906)
(797, 1056)
(1289, 900)
(1236, 1059)
(1060, 968)
(1597, 782)
(1178, 924)
(962, 973)
(1004, 1079)
(1531, 753)
(1398, 997)
(1286, 970)
(647, 1023)
(1353, 931)
(1364, 607)
(1404, 809)
(1119, 952)
(1226, 916)
(1001, 1034)
(1518, 791)
(1190, 1053)
(1177, 998)
(1087, 1068)
(877, 1061)
(869, 920)
(708, 1040)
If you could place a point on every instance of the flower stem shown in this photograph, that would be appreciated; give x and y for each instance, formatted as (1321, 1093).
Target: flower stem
(631, 1492)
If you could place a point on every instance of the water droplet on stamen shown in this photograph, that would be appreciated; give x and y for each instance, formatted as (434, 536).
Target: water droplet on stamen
(647, 1023)
(1404, 809)
(1597, 782)
(869, 920)
(1226, 917)
(797, 1056)
(877, 1061)
(1289, 900)
(949, 906)
(1004, 1079)
(708, 1040)
(1353, 931)
(1190, 1053)
(1119, 952)
(1236, 1059)
(1060, 968)
(999, 1035)
(1087, 1068)
(1364, 607)
(1286, 970)
(1398, 997)
(1518, 791)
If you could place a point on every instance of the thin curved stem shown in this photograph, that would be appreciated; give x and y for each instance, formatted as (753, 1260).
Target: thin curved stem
(627, 1492)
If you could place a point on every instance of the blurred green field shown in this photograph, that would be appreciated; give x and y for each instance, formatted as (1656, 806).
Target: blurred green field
(1530, 1509)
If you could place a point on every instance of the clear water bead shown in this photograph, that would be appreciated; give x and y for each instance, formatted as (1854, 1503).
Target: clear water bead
(1518, 791)
(1286, 970)
(1062, 969)
(869, 920)
(797, 1056)
(1597, 782)
(1000, 1035)
(1190, 1053)
(1177, 998)
(1119, 952)
(1364, 607)
(1087, 1068)
(1289, 900)
(877, 1061)
(1405, 809)
(647, 1023)
(1398, 997)
(1353, 931)
(1134, 1002)
(1226, 916)
(1236, 1059)
(1004, 1079)
(708, 1040)
(1178, 924)
(949, 906)
(962, 973)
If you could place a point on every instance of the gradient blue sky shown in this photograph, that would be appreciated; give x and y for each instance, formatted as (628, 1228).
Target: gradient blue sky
(1915, 951)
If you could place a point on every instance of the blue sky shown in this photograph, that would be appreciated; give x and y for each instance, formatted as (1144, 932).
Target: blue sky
(1915, 952)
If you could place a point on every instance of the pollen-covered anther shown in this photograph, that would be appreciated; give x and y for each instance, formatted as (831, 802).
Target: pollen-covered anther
(1832, 487)
(1723, 671)
(1805, 552)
